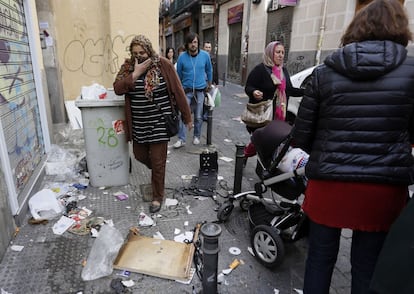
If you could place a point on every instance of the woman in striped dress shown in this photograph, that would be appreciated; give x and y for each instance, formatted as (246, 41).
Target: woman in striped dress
(151, 88)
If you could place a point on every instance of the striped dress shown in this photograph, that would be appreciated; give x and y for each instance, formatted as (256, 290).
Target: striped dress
(148, 123)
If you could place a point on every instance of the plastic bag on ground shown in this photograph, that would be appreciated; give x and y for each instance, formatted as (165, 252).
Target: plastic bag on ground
(44, 205)
(103, 253)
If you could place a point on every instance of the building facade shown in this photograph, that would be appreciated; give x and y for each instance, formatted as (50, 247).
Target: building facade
(310, 29)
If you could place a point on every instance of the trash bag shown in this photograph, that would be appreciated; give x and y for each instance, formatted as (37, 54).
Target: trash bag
(44, 205)
(103, 253)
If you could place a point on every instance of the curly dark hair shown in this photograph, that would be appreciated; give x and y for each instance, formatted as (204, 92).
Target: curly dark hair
(379, 20)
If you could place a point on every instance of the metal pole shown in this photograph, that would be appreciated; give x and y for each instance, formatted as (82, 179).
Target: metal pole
(224, 79)
(238, 168)
(209, 126)
(210, 248)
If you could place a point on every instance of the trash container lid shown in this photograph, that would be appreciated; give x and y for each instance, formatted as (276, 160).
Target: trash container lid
(99, 103)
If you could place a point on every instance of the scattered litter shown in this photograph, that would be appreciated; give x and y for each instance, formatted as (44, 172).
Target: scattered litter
(62, 225)
(186, 236)
(124, 273)
(158, 236)
(117, 285)
(121, 195)
(17, 248)
(276, 291)
(144, 220)
(220, 278)
(171, 202)
(226, 159)
(187, 177)
(102, 188)
(81, 197)
(250, 250)
(185, 223)
(128, 283)
(228, 140)
(94, 233)
(188, 281)
(226, 271)
(4, 291)
(235, 264)
(298, 291)
(220, 178)
(44, 205)
(234, 250)
(80, 186)
(177, 231)
(188, 209)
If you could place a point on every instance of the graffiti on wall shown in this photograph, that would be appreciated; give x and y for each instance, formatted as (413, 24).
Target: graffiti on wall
(95, 57)
(19, 111)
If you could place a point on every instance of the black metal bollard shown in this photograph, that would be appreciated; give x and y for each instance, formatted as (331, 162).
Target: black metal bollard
(210, 248)
(238, 168)
(224, 79)
(209, 126)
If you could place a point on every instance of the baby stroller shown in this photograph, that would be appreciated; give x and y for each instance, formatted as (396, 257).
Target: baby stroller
(277, 218)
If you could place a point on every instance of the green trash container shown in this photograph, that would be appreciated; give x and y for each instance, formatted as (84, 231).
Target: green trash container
(107, 152)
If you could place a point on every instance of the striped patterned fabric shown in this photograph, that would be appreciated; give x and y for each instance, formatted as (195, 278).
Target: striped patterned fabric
(148, 124)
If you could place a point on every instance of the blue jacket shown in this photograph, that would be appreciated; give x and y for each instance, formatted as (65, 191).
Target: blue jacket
(194, 72)
(356, 118)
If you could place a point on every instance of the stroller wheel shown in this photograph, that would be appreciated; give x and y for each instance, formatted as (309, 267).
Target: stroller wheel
(224, 211)
(267, 245)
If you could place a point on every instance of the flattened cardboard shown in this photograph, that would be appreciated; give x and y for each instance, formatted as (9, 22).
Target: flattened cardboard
(159, 258)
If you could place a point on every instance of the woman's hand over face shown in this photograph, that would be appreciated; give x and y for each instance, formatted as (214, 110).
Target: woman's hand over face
(140, 68)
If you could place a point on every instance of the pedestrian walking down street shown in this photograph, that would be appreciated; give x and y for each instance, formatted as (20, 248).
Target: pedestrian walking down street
(356, 122)
(270, 80)
(151, 87)
(193, 67)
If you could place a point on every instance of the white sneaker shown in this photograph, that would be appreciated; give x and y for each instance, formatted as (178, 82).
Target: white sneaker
(196, 141)
(178, 144)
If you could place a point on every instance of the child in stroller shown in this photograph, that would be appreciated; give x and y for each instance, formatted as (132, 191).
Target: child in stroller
(281, 171)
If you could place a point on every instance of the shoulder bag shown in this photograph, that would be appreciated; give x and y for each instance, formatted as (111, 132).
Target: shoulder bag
(172, 122)
(259, 114)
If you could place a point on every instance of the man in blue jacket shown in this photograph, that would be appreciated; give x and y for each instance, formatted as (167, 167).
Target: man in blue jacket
(195, 71)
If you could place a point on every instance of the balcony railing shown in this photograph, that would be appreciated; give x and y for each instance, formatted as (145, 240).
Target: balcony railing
(179, 6)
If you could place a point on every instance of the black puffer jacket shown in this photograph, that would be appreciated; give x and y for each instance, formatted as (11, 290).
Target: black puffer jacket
(357, 116)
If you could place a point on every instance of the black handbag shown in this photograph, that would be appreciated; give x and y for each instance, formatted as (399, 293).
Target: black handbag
(172, 121)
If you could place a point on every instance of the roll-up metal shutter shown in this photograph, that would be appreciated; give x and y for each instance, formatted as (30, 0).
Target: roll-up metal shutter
(19, 109)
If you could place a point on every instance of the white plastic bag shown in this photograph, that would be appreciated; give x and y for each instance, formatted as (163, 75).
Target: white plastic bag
(44, 205)
(93, 92)
(103, 253)
(293, 159)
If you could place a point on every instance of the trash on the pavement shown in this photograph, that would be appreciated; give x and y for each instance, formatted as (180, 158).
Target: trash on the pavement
(94, 233)
(188, 209)
(184, 237)
(220, 278)
(177, 231)
(250, 250)
(235, 264)
(298, 291)
(144, 220)
(60, 161)
(234, 250)
(226, 159)
(128, 283)
(275, 291)
(62, 225)
(190, 278)
(4, 291)
(158, 236)
(187, 177)
(160, 258)
(117, 285)
(121, 195)
(185, 223)
(44, 205)
(17, 248)
(171, 202)
(103, 252)
(124, 274)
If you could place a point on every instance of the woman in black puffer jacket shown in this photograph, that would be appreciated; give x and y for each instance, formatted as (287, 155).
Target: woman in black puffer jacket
(356, 120)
